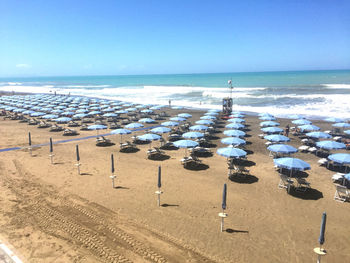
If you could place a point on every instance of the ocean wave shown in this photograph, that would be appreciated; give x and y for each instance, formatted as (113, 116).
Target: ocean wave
(337, 86)
(85, 86)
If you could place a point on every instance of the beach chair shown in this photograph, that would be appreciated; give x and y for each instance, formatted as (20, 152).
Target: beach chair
(33, 122)
(303, 148)
(102, 141)
(69, 132)
(342, 193)
(56, 128)
(285, 182)
(73, 124)
(302, 185)
(44, 124)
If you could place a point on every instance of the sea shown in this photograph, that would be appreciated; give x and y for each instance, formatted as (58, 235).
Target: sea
(314, 94)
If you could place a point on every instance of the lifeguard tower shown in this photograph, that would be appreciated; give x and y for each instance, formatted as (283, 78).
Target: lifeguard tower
(227, 102)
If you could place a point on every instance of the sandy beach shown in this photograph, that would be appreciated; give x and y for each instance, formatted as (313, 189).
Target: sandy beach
(49, 213)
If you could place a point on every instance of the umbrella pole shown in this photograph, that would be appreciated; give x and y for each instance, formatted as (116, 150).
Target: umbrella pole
(113, 177)
(222, 215)
(159, 192)
(78, 165)
(30, 150)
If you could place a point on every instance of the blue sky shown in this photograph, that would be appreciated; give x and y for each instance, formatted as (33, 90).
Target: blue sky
(146, 37)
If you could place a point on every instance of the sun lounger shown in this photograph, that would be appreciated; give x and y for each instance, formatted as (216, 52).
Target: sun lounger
(302, 185)
(342, 193)
(44, 124)
(322, 162)
(56, 128)
(69, 132)
(154, 152)
(285, 182)
(73, 124)
(33, 122)
(127, 145)
(303, 148)
(102, 141)
(312, 150)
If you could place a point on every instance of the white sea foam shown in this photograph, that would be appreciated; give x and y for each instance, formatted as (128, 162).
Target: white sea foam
(86, 86)
(337, 86)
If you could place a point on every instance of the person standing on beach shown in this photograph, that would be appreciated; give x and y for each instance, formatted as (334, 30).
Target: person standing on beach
(286, 131)
(169, 103)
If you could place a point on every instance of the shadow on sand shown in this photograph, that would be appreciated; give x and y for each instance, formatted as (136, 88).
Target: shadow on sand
(244, 179)
(309, 194)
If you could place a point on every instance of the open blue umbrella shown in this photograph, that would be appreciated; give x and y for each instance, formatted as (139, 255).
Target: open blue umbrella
(301, 122)
(267, 118)
(272, 130)
(205, 122)
(149, 137)
(184, 115)
(342, 158)
(170, 123)
(318, 135)
(133, 125)
(160, 130)
(110, 114)
(269, 124)
(49, 116)
(309, 127)
(234, 133)
(37, 114)
(236, 126)
(236, 120)
(347, 132)
(97, 127)
(341, 125)
(330, 145)
(147, 120)
(282, 148)
(192, 135)
(185, 144)
(179, 119)
(199, 128)
(231, 152)
(63, 120)
(332, 119)
(208, 117)
(276, 138)
(233, 141)
(292, 163)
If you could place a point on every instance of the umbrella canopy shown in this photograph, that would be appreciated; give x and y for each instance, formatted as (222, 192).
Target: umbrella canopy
(341, 125)
(208, 117)
(292, 164)
(347, 132)
(185, 144)
(309, 127)
(177, 119)
(301, 122)
(149, 137)
(133, 125)
(161, 130)
(50, 116)
(295, 116)
(233, 141)
(234, 133)
(63, 119)
(342, 158)
(318, 135)
(147, 120)
(121, 131)
(236, 126)
(192, 135)
(282, 148)
(267, 118)
(231, 152)
(110, 114)
(265, 114)
(272, 130)
(205, 122)
(277, 138)
(269, 124)
(332, 119)
(184, 115)
(236, 120)
(170, 123)
(198, 128)
(330, 145)
(97, 127)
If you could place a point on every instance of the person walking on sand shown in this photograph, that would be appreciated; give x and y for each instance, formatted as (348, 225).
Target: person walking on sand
(169, 103)
(286, 131)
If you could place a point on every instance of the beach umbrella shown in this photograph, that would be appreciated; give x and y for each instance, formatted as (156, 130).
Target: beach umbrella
(276, 138)
(272, 130)
(133, 125)
(113, 176)
(49, 116)
(309, 127)
(265, 114)
(296, 116)
(330, 145)
(145, 110)
(321, 238)
(170, 123)
(233, 141)
(37, 114)
(185, 144)
(192, 135)
(161, 130)
(121, 132)
(159, 192)
(269, 124)
(236, 126)
(267, 118)
(292, 164)
(342, 158)
(208, 117)
(332, 119)
(51, 151)
(79, 115)
(211, 113)
(147, 120)
(68, 113)
(347, 132)
(110, 114)
(223, 206)
(231, 152)
(234, 133)
(318, 135)
(28, 112)
(205, 122)
(179, 119)
(63, 120)
(78, 157)
(121, 112)
(149, 137)
(341, 125)
(236, 120)
(199, 128)
(184, 115)
(347, 176)
(282, 148)
(97, 127)
(237, 115)
(301, 122)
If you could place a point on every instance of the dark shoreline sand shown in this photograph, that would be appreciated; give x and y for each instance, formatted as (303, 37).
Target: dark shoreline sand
(49, 213)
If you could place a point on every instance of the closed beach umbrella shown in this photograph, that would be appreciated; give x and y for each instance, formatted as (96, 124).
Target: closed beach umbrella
(112, 163)
(170, 123)
(231, 152)
(159, 177)
(276, 138)
(77, 152)
(330, 145)
(321, 238)
(342, 158)
(29, 139)
(224, 194)
(192, 135)
(292, 164)
(272, 130)
(309, 127)
(233, 141)
(198, 128)
(269, 124)
(301, 122)
(236, 126)
(133, 125)
(318, 135)
(51, 147)
(282, 148)
(234, 133)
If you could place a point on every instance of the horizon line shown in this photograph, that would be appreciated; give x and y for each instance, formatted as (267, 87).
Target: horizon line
(162, 74)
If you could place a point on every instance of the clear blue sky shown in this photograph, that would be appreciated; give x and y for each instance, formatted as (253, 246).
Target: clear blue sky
(98, 37)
